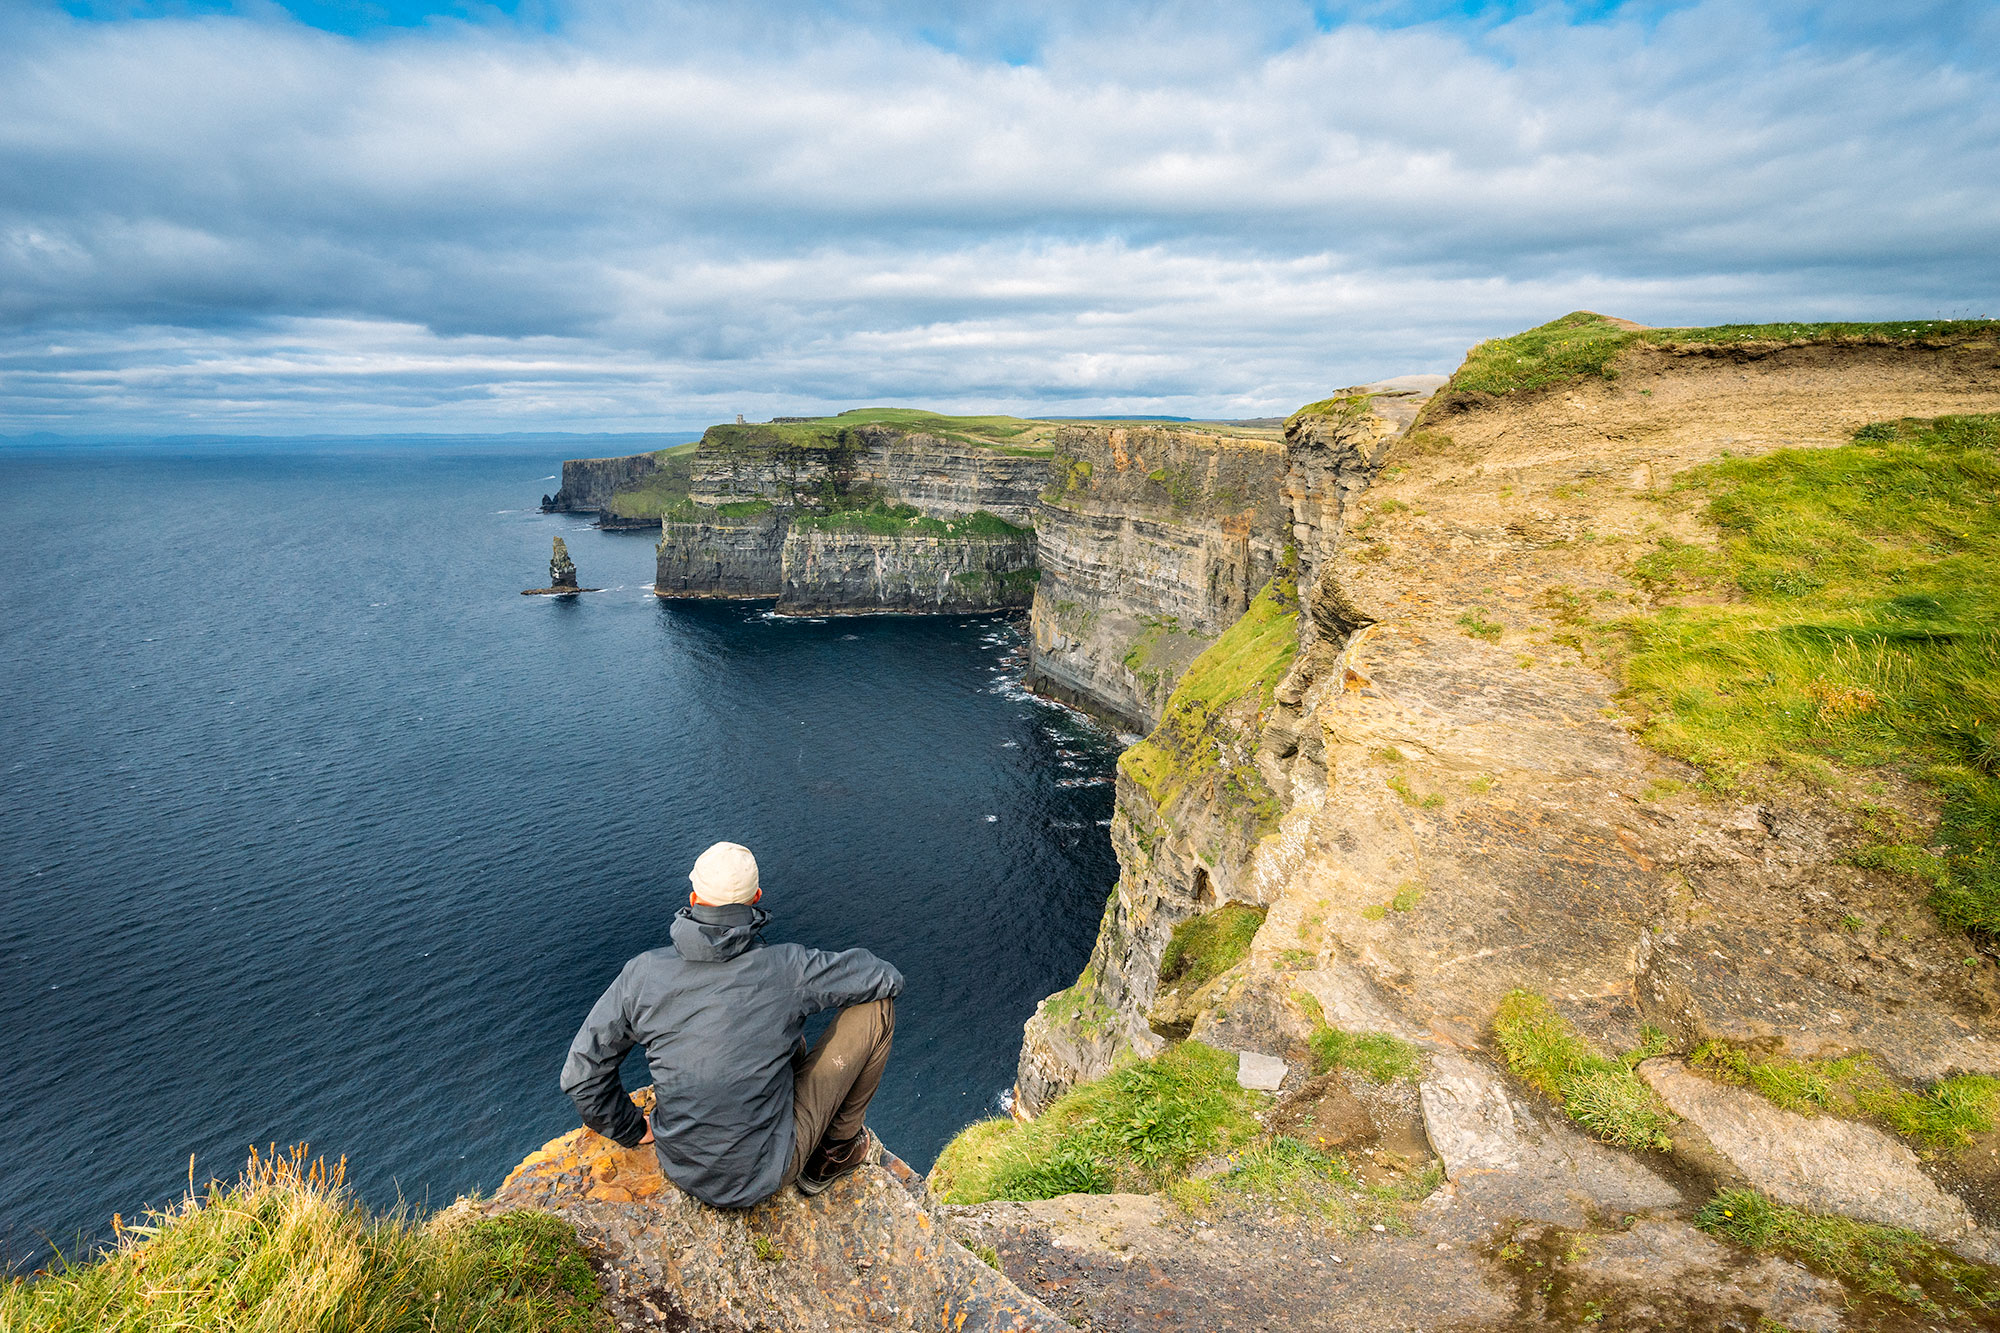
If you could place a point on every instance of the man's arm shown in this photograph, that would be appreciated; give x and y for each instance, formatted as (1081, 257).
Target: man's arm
(852, 976)
(590, 1074)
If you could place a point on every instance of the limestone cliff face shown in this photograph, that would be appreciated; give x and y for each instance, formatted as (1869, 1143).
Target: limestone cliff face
(1198, 800)
(942, 478)
(721, 556)
(832, 572)
(1152, 541)
(587, 483)
(1455, 813)
(818, 571)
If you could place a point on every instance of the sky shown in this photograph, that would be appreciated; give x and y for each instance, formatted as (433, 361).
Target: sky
(252, 216)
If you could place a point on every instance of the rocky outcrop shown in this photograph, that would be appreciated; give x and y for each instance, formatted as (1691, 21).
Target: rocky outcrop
(1198, 801)
(865, 1255)
(562, 570)
(588, 483)
(940, 477)
(1153, 540)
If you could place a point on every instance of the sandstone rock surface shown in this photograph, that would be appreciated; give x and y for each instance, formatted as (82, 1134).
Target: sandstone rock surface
(865, 1255)
(1466, 811)
(1819, 1162)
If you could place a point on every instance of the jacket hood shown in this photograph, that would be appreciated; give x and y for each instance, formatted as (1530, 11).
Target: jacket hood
(706, 934)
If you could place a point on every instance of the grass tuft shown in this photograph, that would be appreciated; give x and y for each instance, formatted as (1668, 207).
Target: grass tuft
(1204, 947)
(287, 1247)
(1946, 1115)
(1135, 1128)
(901, 520)
(1602, 1095)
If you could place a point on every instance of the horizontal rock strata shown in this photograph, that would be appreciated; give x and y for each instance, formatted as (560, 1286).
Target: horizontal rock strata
(1152, 540)
(587, 483)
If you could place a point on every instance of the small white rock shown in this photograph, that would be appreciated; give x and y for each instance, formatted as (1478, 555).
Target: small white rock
(1378, 1227)
(1260, 1073)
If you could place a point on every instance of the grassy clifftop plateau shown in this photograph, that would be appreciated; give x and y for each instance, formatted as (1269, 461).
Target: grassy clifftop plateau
(1007, 435)
(1586, 345)
(659, 492)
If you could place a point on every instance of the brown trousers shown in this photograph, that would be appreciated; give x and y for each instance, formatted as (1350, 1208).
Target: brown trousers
(833, 1081)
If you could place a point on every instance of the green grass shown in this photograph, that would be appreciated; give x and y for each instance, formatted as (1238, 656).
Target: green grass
(1349, 406)
(1602, 1095)
(1202, 948)
(1945, 1115)
(1805, 1086)
(1010, 435)
(1477, 626)
(1398, 783)
(1248, 661)
(1302, 1180)
(662, 491)
(1584, 345)
(1136, 1128)
(686, 510)
(286, 1247)
(1860, 627)
(1886, 1261)
(1376, 1056)
(900, 520)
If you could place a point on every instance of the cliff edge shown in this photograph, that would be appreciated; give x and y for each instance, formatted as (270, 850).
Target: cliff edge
(1595, 802)
(866, 1254)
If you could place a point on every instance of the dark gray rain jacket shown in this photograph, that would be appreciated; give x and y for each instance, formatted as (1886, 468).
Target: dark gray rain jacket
(719, 1013)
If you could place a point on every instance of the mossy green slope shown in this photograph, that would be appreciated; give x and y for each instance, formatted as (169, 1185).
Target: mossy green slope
(1202, 948)
(286, 1247)
(1858, 627)
(1184, 751)
(660, 492)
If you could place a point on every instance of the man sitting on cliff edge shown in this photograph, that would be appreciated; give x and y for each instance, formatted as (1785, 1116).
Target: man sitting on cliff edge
(741, 1107)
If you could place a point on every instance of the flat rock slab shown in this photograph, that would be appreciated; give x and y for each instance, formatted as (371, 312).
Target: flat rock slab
(1481, 1129)
(1820, 1162)
(864, 1255)
(1259, 1073)
(1132, 1263)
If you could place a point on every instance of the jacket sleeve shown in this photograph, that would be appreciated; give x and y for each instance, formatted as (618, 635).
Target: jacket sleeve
(852, 976)
(590, 1074)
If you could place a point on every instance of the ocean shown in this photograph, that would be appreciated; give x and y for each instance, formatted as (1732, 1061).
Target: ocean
(316, 830)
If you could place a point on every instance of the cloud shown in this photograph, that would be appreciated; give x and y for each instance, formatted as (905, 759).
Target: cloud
(651, 217)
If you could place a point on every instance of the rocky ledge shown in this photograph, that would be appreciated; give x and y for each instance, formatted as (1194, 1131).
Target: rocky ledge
(868, 1254)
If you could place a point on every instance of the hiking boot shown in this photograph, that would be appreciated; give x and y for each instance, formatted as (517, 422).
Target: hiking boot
(830, 1161)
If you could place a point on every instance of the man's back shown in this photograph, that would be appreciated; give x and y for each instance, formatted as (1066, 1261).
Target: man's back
(720, 1015)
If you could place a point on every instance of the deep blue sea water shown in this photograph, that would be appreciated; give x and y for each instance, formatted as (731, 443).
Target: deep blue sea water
(313, 828)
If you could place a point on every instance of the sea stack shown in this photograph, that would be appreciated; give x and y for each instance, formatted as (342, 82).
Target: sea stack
(562, 571)
(562, 576)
